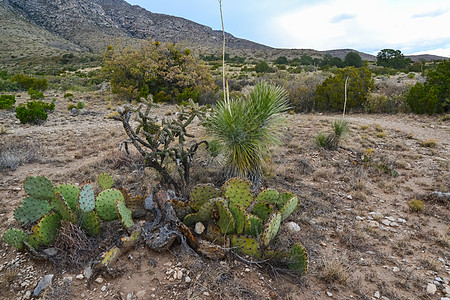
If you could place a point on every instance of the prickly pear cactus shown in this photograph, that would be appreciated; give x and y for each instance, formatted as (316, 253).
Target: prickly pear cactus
(256, 226)
(89, 222)
(237, 190)
(182, 209)
(246, 245)
(70, 193)
(39, 187)
(124, 214)
(298, 258)
(268, 196)
(105, 181)
(47, 229)
(271, 229)
(204, 213)
(263, 209)
(86, 200)
(61, 207)
(226, 221)
(31, 210)
(200, 194)
(288, 207)
(241, 218)
(15, 237)
(105, 204)
(284, 197)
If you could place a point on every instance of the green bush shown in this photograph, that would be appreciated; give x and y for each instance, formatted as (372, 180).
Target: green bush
(262, 67)
(34, 94)
(80, 105)
(34, 112)
(68, 95)
(7, 101)
(25, 82)
(434, 95)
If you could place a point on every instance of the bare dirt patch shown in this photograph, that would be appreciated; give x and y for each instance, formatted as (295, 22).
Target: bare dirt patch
(363, 239)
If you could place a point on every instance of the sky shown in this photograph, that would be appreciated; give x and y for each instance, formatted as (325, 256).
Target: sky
(412, 26)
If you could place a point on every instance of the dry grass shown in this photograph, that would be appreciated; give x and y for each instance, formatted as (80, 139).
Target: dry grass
(15, 153)
(335, 271)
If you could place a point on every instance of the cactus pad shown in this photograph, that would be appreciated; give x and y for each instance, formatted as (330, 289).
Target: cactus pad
(39, 187)
(268, 195)
(15, 237)
(271, 228)
(284, 197)
(237, 190)
(31, 210)
(61, 207)
(288, 208)
(263, 209)
(105, 204)
(245, 245)
(201, 193)
(182, 209)
(89, 222)
(255, 227)
(298, 259)
(70, 193)
(226, 221)
(204, 213)
(124, 214)
(105, 181)
(86, 200)
(47, 229)
(240, 217)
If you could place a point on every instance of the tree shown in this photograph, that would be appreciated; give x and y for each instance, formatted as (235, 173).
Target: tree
(391, 58)
(162, 69)
(330, 94)
(262, 67)
(282, 60)
(353, 59)
(434, 95)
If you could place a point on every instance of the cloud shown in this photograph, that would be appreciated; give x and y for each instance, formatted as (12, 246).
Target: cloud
(431, 14)
(342, 17)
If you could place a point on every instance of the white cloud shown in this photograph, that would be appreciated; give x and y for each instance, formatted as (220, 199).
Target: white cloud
(404, 25)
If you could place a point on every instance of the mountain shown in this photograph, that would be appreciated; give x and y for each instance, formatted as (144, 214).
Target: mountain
(31, 28)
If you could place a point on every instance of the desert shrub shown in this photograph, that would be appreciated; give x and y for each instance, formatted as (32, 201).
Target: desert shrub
(246, 127)
(353, 59)
(380, 103)
(68, 96)
(80, 105)
(434, 95)
(25, 82)
(7, 101)
(416, 205)
(154, 68)
(262, 67)
(331, 141)
(34, 112)
(35, 94)
(71, 106)
(330, 94)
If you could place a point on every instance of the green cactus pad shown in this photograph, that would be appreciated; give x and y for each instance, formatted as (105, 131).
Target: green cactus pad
(263, 209)
(105, 181)
(298, 259)
(201, 193)
(288, 208)
(284, 197)
(246, 245)
(15, 237)
(86, 200)
(203, 214)
(39, 187)
(124, 214)
(89, 222)
(226, 221)
(47, 228)
(31, 210)
(268, 195)
(255, 227)
(61, 207)
(240, 217)
(105, 204)
(271, 228)
(237, 190)
(70, 193)
(182, 209)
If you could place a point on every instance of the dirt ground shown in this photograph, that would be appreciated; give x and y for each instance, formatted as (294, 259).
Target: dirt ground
(363, 239)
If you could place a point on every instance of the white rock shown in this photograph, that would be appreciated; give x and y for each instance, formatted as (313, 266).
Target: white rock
(80, 276)
(179, 274)
(359, 218)
(293, 227)
(141, 294)
(394, 224)
(445, 298)
(376, 215)
(103, 288)
(206, 294)
(400, 220)
(199, 228)
(374, 224)
(392, 219)
(431, 289)
(349, 197)
(377, 294)
(187, 279)
(329, 294)
(99, 280)
(386, 222)
(395, 269)
(384, 298)
(446, 289)
(27, 295)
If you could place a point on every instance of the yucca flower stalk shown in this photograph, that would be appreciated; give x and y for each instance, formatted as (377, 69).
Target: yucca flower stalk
(245, 128)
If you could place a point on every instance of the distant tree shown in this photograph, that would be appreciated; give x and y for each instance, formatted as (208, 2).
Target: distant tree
(353, 59)
(330, 94)
(434, 95)
(392, 58)
(282, 60)
(306, 60)
(262, 67)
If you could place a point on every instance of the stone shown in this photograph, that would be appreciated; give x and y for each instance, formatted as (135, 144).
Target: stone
(129, 296)
(99, 280)
(141, 294)
(392, 219)
(400, 220)
(395, 269)
(292, 227)
(199, 228)
(374, 224)
(349, 197)
(359, 218)
(376, 215)
(27, 295)
(103, 288)
(187, 279)
(329, 294)
(43, 284)
(446, 289)
(377, 294)
(386, 222)
(431, 289)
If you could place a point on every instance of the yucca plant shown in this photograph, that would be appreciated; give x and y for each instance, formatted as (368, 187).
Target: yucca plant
(246, 127)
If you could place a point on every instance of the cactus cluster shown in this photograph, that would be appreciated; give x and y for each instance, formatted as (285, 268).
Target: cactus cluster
(47, 205)
(248, 223)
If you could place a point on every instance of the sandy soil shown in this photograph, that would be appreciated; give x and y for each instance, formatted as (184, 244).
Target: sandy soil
(363, 239)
